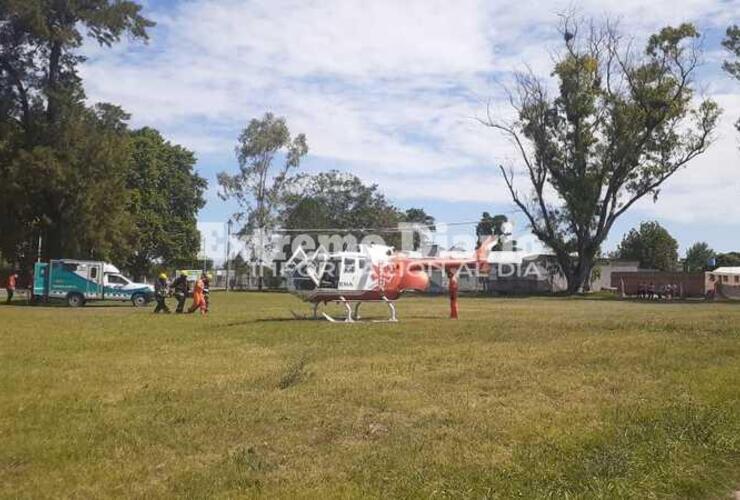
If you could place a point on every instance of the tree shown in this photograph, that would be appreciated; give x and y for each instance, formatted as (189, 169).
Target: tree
(651, 245)
(62, 164)
(259, 187)
(38, 59)
(622, 123)
(338, 203)
(166, 195)
(729, 259)
(418, 216)
(490, 225)
(698, 256)
(732, 44)
(494, 225)
(335, 201)
(72, 192)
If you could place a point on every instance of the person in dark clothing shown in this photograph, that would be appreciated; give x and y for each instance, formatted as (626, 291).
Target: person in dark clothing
(160, 294)
(180, 285)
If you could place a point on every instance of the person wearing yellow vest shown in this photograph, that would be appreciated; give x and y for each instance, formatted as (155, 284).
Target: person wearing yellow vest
(160, 294)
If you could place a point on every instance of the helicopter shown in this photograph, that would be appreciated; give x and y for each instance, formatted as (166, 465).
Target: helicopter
(371, 273)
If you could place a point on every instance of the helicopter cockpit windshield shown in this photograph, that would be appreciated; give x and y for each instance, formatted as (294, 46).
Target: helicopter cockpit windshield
(330, 275)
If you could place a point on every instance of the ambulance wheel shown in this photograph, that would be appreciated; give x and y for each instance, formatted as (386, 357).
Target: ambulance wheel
(75, 300)
(139, 300)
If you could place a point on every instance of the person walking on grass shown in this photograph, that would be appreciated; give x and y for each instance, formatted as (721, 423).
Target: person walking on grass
(10, 286)
(453, 288)
(160, 294)
(206, 278)
(199, 300)
(180, 285)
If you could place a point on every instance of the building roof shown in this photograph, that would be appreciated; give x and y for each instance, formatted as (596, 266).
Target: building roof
(511, 257)
(608, 261)
(727, 270)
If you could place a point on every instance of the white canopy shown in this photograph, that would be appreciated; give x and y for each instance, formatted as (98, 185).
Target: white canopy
(727, 270)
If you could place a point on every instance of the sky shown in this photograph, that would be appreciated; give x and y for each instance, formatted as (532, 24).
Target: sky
(391, 91)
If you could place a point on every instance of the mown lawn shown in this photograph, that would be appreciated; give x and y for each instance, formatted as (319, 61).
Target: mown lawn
(520, 397)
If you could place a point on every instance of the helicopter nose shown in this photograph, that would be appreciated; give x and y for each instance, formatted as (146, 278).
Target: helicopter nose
(415, 278)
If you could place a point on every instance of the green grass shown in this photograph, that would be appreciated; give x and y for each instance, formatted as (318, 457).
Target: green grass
(522, 398)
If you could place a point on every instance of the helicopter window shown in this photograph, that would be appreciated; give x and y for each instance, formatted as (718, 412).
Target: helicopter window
(302, 280)
(361, 264)
(349, 265)
(330, 278)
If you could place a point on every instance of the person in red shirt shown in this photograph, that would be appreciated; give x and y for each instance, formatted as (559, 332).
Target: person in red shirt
(10, 286)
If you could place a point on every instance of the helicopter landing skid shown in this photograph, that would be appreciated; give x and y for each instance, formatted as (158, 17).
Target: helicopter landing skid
(353, 316)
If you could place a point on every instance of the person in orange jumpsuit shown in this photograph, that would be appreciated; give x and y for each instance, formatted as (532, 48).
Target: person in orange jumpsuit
(10, 286)
(452, 278)
(199, 299)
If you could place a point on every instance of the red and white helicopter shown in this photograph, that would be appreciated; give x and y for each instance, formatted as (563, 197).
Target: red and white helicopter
(373, 273)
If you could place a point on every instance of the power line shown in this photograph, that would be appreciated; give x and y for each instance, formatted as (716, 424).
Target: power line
(376, 229)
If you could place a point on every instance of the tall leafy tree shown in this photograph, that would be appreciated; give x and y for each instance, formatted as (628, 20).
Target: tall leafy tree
(166, 194)
(494, 225)
(420, 217)
(698, 256)
(72, 193)
(619, 126)
(339, 202)
(38, 51)
(731, 42)
(728, 259)
(61, 163)
(650, 244)
(261, 182)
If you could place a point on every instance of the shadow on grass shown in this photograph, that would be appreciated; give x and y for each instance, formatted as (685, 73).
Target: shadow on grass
(61, 305)
(364, 319)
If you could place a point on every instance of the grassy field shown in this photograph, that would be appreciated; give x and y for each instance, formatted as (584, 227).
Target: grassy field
(520, 397)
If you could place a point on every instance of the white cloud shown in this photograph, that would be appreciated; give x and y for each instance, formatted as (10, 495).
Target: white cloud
(387, 89)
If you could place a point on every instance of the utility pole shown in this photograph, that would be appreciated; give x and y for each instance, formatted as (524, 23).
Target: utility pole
(228, 252)
(204, 255)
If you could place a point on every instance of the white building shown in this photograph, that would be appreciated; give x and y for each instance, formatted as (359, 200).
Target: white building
(725, 276)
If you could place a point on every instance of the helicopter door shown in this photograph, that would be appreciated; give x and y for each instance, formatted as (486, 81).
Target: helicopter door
(350, 276)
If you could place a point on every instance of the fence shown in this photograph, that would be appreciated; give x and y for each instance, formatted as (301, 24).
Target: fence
(689, 284)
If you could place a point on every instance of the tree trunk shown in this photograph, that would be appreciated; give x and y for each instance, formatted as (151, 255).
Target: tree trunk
(260, 263)
(579, 278)
(52, 105)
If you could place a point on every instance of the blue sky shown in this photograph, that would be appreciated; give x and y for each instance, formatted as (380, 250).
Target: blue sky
(390, 91)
